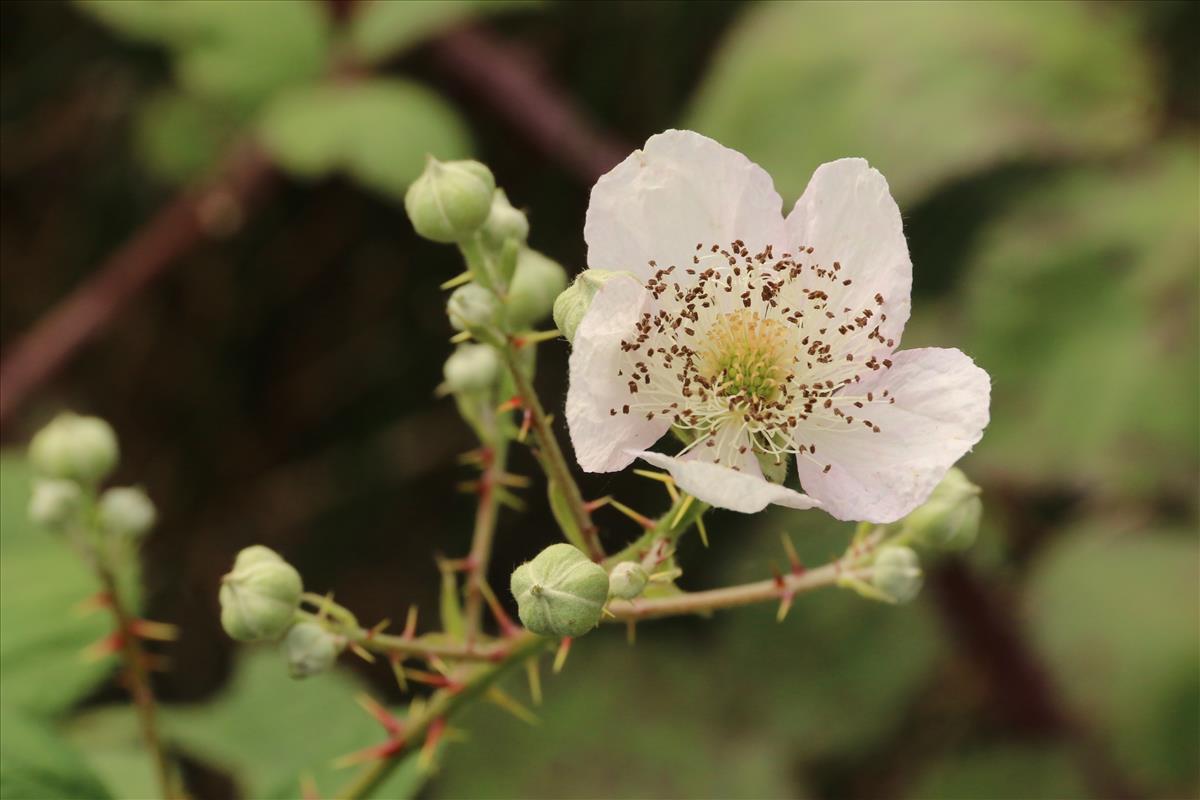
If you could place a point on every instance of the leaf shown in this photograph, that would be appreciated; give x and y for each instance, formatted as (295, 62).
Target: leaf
(1112, 610)
(42, 634)
(180, 137)
(237, 52)
(924, 91)
(382, 28)
(1103, 291)
(377, 131)
(35, 763)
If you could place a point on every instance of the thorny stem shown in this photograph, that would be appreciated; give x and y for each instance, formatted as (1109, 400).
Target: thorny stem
(663, 529)
(421, 648)
(552, 458)
(481, 539)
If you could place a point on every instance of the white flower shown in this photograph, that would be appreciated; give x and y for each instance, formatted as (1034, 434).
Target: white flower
(760, 337)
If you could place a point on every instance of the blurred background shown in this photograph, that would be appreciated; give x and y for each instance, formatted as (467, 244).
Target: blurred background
(202, 241)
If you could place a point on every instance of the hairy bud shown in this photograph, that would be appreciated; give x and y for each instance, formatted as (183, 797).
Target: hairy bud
(76, 448)
(472, 368)
(260, 596)
(475, 309)
(627, 580)
(571, 305)
(450, 201)
(310, 649)
(561, 592)
(126, 511)
(949, 519)
(504, 222)
(898, 573)
(537, 281)
(54, 502)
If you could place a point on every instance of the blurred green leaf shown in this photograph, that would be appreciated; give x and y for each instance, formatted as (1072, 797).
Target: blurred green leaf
(42, 632)
(265, 728)
(377, 131)
(180, 136)
(35, 763)
(924, 91)
(237, 52)
(1082, 306)
(1113, 610)
(381, 28)
(1025, 772)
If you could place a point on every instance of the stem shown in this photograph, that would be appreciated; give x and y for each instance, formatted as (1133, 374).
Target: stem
(552, 458)
(481, 540)
(441, 706)
(663, 529)
(400, 645)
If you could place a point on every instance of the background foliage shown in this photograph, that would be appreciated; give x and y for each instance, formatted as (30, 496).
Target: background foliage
(275, 386)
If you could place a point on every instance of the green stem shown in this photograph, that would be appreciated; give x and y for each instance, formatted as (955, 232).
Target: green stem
(666, 527)
(486, 513)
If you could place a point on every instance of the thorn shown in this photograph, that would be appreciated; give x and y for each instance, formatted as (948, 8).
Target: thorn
(90, 605)
(785, 605)
(666, 576)
(511, 404)
(104, 647)
(506, 702)
(410, 624)
(526, 424)
(594, 505)
(661, 477)
(156, 631)
(432, 679)
(515, 481)
(560, 658)
(376, 752)
(362, 652)
(308, 787)
(379, 628)
(535, 337)
(507, 627)
(384, 717)
(468, 487)
(429, 749)
(604, 612)
(457, 280)
(397, 664)
(477, 456)
(507, 498)
(644, 521)
(459, 338)
(631, 631)
(793, 557)
(533, 671)
(703, 530)
(687, 503)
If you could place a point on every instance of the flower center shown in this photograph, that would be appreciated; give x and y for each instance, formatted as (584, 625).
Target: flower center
(746, 356)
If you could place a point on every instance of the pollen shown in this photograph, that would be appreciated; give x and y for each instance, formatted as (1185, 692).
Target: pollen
(747, 356)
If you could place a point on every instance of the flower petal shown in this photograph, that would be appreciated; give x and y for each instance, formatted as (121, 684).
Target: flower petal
(679, 190)
(940, 411)
(727, 488)
(847, 215)
(600, 438)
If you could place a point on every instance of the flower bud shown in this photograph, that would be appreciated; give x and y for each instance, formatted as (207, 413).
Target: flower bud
(561, 592)
(898, 573)
(475, 309)
(74, 447)
(126, 511)
(571, 305)
(949, 519)
(310, 649)
(627, 580)
(450, 200)
(472, 368)
(259, 597)
(54, 502)
(504, 222)
(536, 283)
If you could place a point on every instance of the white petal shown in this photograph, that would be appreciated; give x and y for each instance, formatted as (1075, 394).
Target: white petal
(601, 440)
(727, 488)
(847, 214)
(940, 412)
(679, 190)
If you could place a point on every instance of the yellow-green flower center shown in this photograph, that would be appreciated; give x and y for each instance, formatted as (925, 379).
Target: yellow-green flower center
(747, 356)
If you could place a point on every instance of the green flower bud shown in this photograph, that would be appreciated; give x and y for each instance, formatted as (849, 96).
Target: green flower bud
(126, 511)
(898, 573)
(504, 222)
(260, 596)
(310, 649)
(561, 592)
(472, 368)
(451, 199)
(54, 502)
(74, 447)
(949, 519)
(627, 580)
(475, 309)
(535, 284)
(572, 304)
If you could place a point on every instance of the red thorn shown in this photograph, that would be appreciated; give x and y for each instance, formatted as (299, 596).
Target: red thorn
(384, 717)
(798, 568)
(436, 729)
(497, 656)
(376, 752)
(778, 578)
(511, 404)
(526, 424)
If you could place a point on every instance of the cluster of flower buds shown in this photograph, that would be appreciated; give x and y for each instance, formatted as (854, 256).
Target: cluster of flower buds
(71, 456)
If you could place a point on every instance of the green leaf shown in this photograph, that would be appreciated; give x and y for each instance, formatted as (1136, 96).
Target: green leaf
(180, 137)
(1112, 610)
(35, 763)
(236, 52)
(42, 633)
(924, 91)
(1094, 271)
(382, 28)
(377, 131)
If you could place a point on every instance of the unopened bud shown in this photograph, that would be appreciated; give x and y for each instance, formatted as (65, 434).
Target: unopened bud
(74, 447)
(310, 649)
(475, 309)
(54, 502)
(504, 222)
(450, 200)
(536, 283)
(259, 596)
(949, 519)
(897, 573)
(571, 305)
(472, 368)
(627, 580)
(561, 592)
(126, 511)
